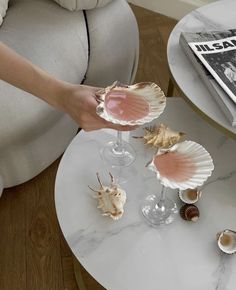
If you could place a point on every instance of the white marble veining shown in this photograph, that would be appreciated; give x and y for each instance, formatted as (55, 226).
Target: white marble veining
(218, 15)
(128, 254)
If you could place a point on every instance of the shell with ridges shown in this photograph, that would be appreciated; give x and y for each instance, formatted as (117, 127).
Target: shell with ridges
(189, 212)
(150, 93)
(111, 199)
(188, 162)
(226, 241)
(161, 136)
(189, 195)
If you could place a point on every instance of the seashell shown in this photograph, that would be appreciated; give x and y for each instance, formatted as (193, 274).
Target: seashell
(226, 241)
(184, 165)
(161, 136)
(189, 195)
(111, 199)
(189, 212)
(131, 105)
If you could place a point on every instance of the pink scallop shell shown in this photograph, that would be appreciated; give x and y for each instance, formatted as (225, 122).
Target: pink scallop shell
(184, 165)
(131, 105)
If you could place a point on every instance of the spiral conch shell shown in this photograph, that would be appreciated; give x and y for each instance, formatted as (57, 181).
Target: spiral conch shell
(189, 212)
(111, 199)
(161, 136)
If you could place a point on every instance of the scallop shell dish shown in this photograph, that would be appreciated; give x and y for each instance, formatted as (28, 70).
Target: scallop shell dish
(184, 165)
(111, 199)
(131, 105)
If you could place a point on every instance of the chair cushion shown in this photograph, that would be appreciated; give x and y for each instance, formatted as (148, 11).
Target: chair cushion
(82, 4)
(33, 134)
(37, 30)
(3, 9)
(114, 44)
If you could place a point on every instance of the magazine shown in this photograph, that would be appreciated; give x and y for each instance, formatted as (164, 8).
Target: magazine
(213, 55)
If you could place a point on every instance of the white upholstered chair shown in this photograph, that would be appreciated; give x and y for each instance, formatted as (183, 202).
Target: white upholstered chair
(33, 134)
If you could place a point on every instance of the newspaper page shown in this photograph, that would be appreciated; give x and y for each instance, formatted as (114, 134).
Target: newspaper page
(217, 52)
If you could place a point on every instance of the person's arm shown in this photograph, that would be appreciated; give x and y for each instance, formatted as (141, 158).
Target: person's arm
(76, 100)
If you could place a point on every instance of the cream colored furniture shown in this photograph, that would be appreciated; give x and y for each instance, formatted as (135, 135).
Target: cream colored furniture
(184, 75)
(3, 9)
(33, 134)
(128, 254)
(75, 5)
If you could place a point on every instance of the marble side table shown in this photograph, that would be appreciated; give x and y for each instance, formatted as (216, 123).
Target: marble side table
(128, 254)
(218, 15)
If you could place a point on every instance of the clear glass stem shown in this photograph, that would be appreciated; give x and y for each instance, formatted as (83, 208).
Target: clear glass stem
(118, 152)
(119, 143)
(161, 203)
(159, 210)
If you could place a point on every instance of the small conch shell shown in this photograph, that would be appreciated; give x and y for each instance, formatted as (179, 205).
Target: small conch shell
(111, 199)
(161, 136)
(189, 195)
(227, 241)
(189, 212)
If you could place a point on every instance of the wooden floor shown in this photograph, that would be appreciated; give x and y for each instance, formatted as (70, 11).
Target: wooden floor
(33, 252)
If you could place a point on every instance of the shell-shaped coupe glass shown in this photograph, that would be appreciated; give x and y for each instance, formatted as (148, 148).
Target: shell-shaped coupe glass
(184, 165)
(131, 105)
(128, 105)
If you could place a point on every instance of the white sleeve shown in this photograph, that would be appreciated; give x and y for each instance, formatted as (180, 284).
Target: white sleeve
(82, 4)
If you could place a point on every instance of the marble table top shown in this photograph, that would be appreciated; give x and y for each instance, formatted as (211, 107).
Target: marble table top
(129, 254)
(218, 15)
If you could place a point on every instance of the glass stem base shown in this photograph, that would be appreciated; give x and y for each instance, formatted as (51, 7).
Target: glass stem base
(118, 154)
(157, 212)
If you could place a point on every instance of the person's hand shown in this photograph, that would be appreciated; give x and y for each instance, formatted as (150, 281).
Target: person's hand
(79, 101)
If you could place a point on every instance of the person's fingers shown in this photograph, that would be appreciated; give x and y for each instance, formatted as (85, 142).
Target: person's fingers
(118, 127)
(106, 124)
(90, 88)
(99, 123)
(92, 121)
(94, 89)
(98, 90)
(124, 128)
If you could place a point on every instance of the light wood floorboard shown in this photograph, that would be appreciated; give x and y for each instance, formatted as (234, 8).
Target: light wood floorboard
(33, 252)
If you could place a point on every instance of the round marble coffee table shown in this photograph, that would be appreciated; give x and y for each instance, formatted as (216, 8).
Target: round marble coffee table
(218, 15)
(128, 254)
